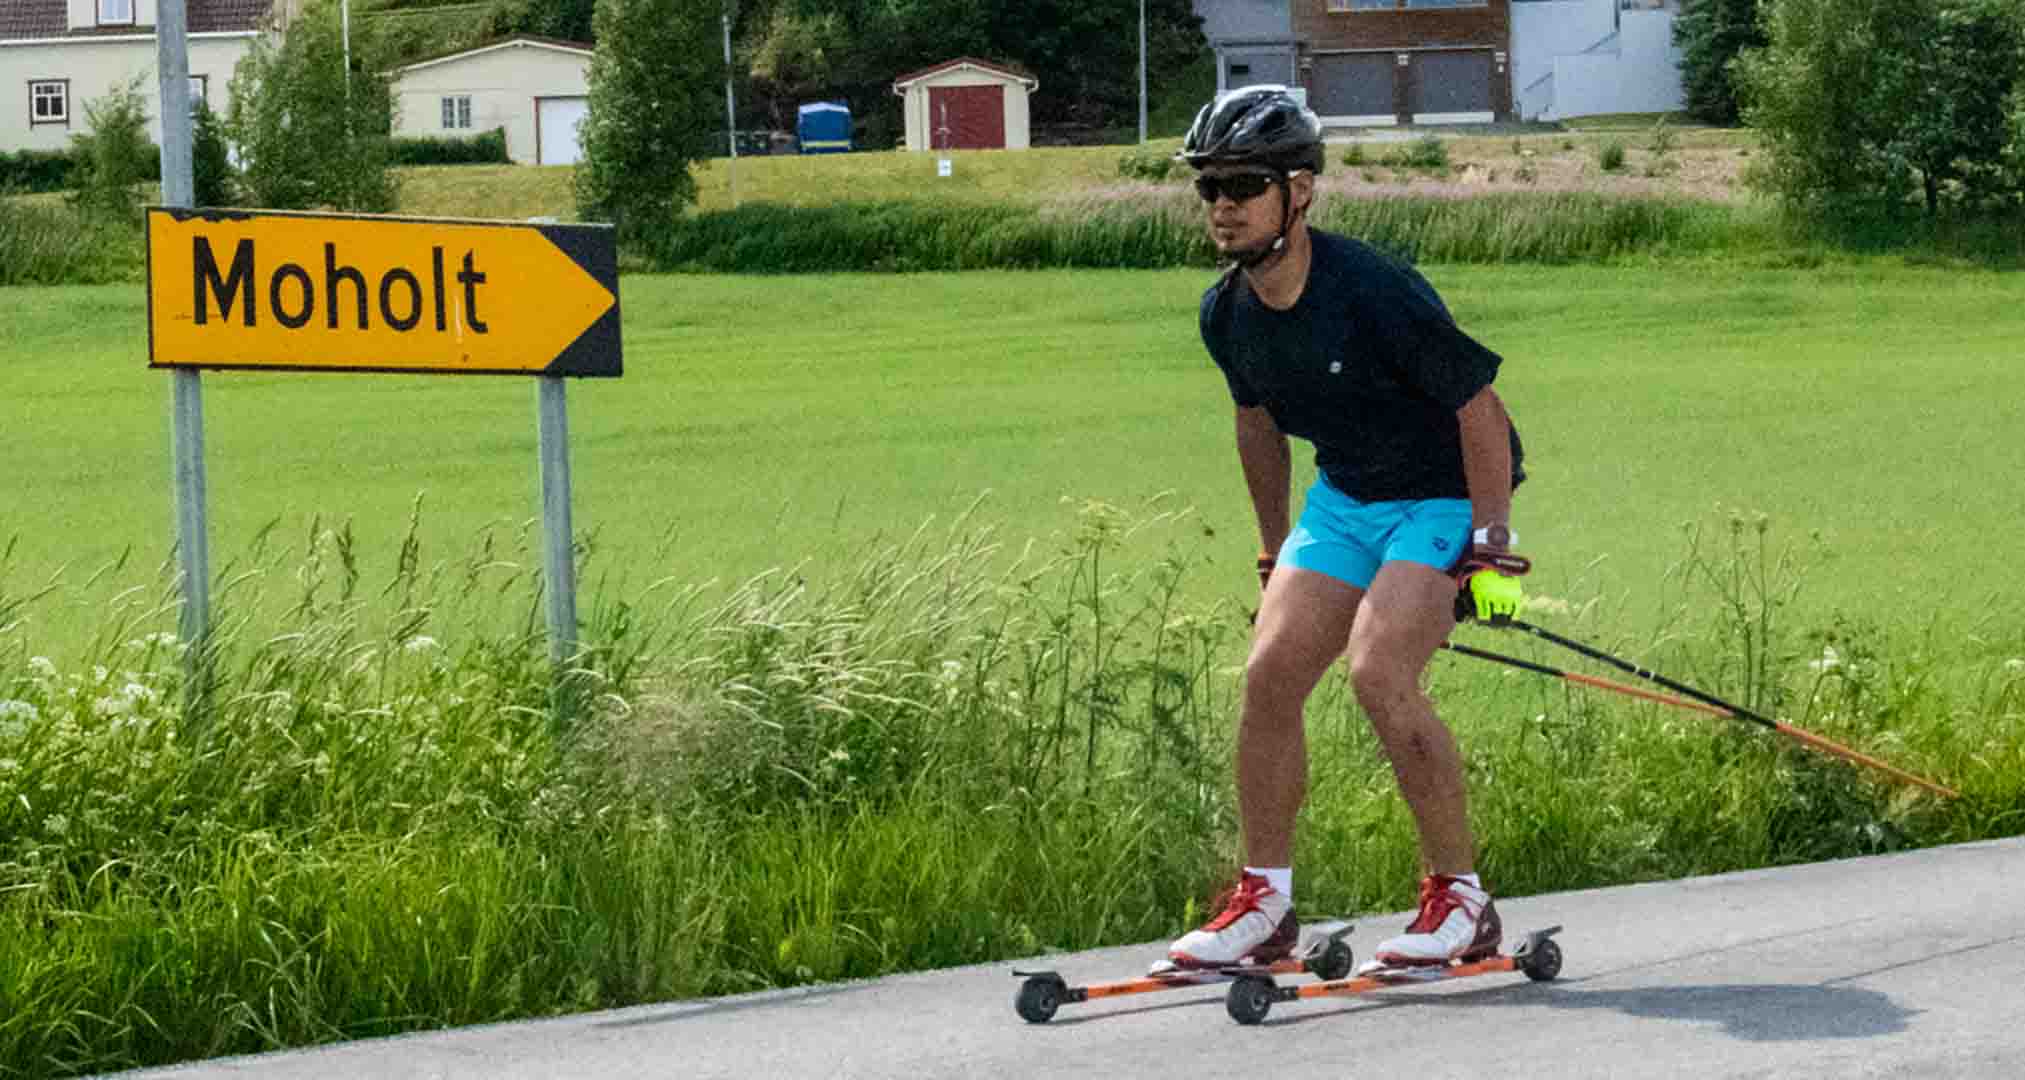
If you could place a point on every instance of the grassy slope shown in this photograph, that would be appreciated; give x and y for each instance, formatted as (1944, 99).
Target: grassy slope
(1869, 404)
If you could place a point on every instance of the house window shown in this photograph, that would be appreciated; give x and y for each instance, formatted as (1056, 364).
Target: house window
(115, 12)
(457, 111)
(1239, 71)
(49, 102)
(1445, 3)
(199, 92)
(1362, 5)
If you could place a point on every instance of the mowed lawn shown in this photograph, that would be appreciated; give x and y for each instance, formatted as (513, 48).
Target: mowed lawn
(1872, 410)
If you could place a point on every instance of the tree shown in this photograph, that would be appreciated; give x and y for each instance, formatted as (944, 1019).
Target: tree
(213, 178)
(567, 20)
(307, 131)
(114, 155)
(654, 83)
(1865, 102)
(1710, 35)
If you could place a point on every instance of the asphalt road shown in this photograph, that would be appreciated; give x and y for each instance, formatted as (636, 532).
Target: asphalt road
(1900, 965)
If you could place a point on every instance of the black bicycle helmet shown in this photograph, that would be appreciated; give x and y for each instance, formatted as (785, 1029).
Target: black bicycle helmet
(1258, 125)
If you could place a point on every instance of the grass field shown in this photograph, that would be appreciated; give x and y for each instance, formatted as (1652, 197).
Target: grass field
(767, 423)
(914, 754)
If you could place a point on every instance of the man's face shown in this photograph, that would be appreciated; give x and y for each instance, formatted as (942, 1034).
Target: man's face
(1244, 210)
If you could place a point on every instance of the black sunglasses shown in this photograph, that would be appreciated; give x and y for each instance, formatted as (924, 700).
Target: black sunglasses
(1241, 187)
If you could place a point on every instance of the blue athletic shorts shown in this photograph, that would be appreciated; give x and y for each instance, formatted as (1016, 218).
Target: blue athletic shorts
(1349, 540)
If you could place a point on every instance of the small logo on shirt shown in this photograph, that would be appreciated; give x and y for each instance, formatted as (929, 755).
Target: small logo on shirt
(1335, 367)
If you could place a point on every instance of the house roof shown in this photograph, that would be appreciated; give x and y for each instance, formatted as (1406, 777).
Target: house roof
(47, 19)
(987, 66)
(584, 49)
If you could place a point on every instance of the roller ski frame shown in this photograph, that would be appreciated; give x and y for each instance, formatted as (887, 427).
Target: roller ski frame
(1326, 956)
(1253, 992)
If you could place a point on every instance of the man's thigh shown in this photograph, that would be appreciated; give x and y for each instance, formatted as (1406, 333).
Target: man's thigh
(1305, 619)
(1405, 616)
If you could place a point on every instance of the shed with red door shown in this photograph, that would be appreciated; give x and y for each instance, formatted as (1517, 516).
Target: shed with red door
(966, 104)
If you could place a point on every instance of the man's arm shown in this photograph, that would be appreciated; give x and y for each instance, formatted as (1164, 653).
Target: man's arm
(1487, 458)
(1268, 464)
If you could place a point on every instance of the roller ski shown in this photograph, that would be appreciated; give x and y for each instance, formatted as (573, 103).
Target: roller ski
(1253, 992)
(1322, 952)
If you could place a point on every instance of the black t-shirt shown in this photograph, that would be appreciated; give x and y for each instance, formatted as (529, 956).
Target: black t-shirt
(1367, 365)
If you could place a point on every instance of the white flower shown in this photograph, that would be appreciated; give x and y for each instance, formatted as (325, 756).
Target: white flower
(42, 668)
(1829, 661)
(113, 705)
(56, 824)
(139, 693)
(17, 714)
(2015, 664)
(419, 643)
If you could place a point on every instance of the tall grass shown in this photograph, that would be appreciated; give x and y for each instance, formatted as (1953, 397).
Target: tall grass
(379, 823)
(1142, 226)
(48, 243)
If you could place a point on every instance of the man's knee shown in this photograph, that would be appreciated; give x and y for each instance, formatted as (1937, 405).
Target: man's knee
(1382, 683)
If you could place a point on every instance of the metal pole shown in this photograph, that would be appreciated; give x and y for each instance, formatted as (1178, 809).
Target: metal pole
(1142, 70)
(730, 109)
(345, 19)
(559, 576)
(193, 547)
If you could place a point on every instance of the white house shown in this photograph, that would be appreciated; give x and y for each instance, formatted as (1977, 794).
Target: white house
(536, 88)
(58, 55)
(1585, 57)
(966, 104)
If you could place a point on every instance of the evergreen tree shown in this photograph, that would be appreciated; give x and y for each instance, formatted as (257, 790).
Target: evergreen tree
(1710, 35)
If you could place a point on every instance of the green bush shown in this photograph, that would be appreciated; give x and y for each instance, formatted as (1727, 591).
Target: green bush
(1353, 155)
(34, 170)
(1427, 152)
(485, 148)
(113, 155)
(309, 133)
(214, 181)
(651, 86)
(1144, 164)
(1610, 156)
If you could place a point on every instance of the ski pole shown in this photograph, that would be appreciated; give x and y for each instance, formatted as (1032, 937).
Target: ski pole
(1693, 699)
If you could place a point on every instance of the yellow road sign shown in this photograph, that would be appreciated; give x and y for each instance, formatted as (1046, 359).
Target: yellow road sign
(328, 292)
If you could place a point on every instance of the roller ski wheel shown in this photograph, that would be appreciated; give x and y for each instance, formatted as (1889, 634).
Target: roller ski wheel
(1335, 962)
(1542, 962)
(1038, 998)
(1250, 999)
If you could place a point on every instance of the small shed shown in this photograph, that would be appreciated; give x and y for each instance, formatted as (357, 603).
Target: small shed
(966, 104)
(824, 127)
(538, 89)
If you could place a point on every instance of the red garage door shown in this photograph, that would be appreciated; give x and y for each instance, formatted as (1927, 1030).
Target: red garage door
(966, 117)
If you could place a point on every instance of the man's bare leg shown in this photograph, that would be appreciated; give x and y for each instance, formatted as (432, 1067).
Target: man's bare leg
(1304, 621)
(1408, 613)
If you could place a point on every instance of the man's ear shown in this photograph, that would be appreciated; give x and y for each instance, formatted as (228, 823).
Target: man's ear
(1301, 186)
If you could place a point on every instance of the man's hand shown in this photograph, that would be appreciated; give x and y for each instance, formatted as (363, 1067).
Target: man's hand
(1496, 597)
(1487, 585)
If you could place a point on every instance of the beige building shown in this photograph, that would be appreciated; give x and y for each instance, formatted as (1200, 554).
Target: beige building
(966, 104)
(56, 56)
(535, 88)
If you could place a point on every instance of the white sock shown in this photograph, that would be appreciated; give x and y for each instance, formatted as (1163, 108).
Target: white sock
(1281, 878)
(1470, 879)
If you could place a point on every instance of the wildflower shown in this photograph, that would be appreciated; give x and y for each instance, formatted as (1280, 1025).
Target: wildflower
(17, 714)
(1830, 660)
(43, 669)
(56, 824)
(2015, 664)
(8, 765)
(419, 643)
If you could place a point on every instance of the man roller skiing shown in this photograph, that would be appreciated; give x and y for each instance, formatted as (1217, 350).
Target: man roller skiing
(1322, 338)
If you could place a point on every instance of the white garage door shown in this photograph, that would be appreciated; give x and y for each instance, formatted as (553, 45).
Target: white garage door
(556, 121)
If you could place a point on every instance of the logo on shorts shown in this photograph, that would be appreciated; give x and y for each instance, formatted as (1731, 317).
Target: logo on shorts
(1440, 544)
(1335, 367)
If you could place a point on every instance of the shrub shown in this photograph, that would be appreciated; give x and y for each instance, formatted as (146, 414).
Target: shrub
(1144, 164)
(1353, 155)
(56, 245)
(1610, 156)
(486, 148)
(1664, 138)
(34, 170)
(114, 155)
(1427, 152)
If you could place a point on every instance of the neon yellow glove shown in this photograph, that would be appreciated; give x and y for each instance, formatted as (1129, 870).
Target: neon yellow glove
(1498, 597)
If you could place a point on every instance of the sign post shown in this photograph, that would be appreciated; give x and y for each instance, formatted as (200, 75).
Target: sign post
(266, 290)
